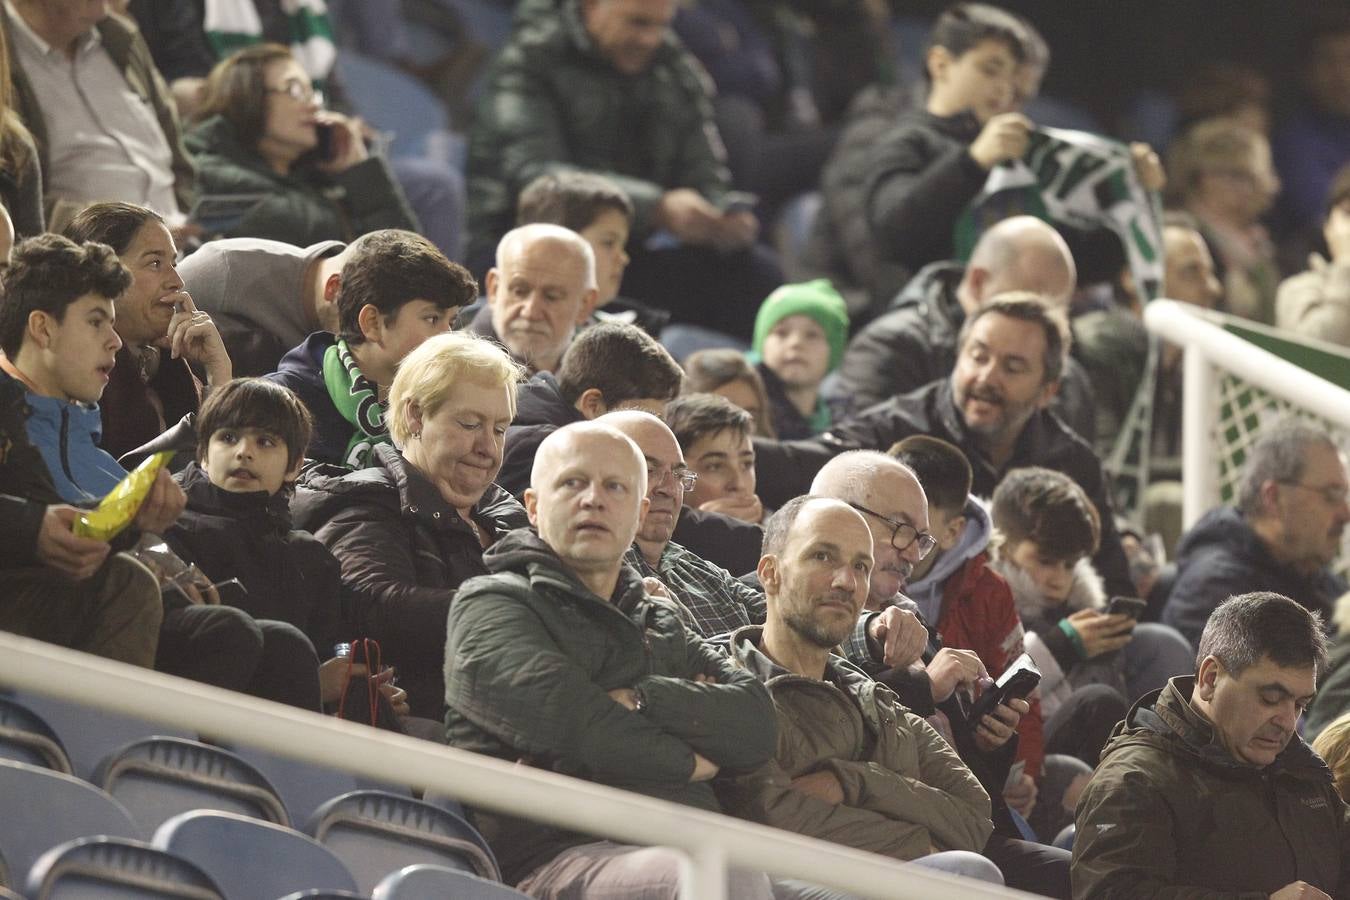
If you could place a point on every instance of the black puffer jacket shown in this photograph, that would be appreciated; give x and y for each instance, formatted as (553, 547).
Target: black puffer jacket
(540, 411)
(403, 552)
(531, 656)
(915, 344)
(288, 574)
(784, 469)
(1221, 556)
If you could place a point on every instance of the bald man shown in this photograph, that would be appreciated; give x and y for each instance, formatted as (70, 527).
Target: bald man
(915, 342)
(558, 658)
(542, 288)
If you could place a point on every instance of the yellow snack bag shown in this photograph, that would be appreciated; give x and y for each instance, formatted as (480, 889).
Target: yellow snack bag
(117, 510)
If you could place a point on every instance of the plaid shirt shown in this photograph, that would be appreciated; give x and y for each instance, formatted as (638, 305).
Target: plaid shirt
(710, 599)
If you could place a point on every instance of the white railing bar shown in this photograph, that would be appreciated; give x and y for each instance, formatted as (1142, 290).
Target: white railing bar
(1183, 324)
(1199, 418)
(709, 839)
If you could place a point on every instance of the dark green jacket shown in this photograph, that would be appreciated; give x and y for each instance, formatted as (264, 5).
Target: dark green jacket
(129, 53)
(1169, 813)
(531, 655)
(305, 206)
(552, 103)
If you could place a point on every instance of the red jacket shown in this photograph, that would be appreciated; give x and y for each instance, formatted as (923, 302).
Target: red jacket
(978, 614)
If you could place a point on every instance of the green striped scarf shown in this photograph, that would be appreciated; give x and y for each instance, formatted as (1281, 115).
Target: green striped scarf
(233, 24)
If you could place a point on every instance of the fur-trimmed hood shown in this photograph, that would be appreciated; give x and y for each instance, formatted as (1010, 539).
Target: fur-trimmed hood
(1087, 591)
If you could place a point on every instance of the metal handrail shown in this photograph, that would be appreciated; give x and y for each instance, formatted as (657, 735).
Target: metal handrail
(711, 842)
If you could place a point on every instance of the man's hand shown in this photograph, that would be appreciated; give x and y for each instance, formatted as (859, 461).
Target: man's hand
(1102, 632)
(704, 769)
(625, 697)
(1004, 137)
(998, 727)
(655, 587)
(59, 548)
(193, 336)
(1299, 890)
(736, 230)
(901, 634)
(688, 215)
(952, 669)
(1337, 233)
(1021, 795)
(162, 505)
(822, 785)
(745, 507)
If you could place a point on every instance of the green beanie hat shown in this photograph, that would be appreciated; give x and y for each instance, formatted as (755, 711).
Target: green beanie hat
(817, 299)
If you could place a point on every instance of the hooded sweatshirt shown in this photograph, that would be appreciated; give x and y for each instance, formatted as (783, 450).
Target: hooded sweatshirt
(68, 436)
(1062, 667)
(1170, 812)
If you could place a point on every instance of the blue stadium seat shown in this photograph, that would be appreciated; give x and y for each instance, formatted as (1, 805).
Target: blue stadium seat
(397, 103)
(303, 787)
(26, 738)
(55, 808)
(89, 734)
(376, 833)
(104, 868)
(446, 802)
(251, 860)
(319, 894)
(159, 777)
(438, 883)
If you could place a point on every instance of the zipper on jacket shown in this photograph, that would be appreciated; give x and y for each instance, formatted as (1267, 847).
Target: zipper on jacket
(65, 439)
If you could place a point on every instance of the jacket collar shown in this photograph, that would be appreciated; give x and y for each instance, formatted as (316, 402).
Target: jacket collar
(523, 552)
(745, 649)
(496, 510)
(206, 498)
(1032, 444)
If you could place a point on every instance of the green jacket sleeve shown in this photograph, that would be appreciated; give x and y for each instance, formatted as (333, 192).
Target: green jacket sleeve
(505, 674)
(731, 722)
(1124, 848)
(945, 798)
(767, 796)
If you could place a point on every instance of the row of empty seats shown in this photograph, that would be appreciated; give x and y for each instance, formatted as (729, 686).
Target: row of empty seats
(217, 820)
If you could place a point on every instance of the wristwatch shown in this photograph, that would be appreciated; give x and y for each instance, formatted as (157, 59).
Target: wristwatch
(639, 700)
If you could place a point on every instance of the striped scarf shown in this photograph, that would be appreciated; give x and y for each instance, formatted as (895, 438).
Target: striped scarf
(234, 24)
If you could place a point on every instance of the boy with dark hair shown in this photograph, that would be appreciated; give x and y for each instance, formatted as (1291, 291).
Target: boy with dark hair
(56, 327)
(714, 435)
(607, 367)
(251, 435)
(1046, 528)
(396, 291)
(934, 161)
(969, 603)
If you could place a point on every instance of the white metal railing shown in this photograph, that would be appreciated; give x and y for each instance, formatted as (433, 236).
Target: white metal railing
(711, 842)
(1210, 351)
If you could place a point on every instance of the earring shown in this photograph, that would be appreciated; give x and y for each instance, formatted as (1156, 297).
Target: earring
(416, 435)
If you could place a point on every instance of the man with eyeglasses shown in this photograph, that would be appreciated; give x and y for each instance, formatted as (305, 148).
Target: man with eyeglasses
(712, 602)
(1281, 536)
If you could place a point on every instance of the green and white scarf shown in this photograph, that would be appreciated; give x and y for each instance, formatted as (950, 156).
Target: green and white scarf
(233, 24)
(1079, 180)
(357, 400)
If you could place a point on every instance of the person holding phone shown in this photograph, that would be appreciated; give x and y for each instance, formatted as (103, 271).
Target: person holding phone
(263, 132)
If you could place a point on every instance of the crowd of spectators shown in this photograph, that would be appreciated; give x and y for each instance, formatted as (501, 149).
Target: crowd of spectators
(692, 498)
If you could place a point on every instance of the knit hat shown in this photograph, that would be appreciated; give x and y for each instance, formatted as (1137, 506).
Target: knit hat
(817, 299)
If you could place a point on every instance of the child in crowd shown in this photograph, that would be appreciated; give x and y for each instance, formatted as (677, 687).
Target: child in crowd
(726, 372)
(714, 435)
(251, 437)
(800, 334)
(934, 161)
(1046, 529)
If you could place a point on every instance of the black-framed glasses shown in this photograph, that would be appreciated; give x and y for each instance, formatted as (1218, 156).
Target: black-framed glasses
(1333, 494)
(685, 478)
(903, 534)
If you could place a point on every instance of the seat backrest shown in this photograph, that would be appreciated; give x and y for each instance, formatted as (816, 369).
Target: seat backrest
(325, 895)
(104, 868)
(157, 778)
(89, 734)
(426, 882)
(249, 859)
(394, 102)
(376, 833)
(303, 787)
(26, 738)
(53, 808)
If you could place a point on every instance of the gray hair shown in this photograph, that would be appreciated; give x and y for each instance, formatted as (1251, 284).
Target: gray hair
(1278, 455)
(1248, 627)
(848, 477)
(524, 235)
